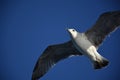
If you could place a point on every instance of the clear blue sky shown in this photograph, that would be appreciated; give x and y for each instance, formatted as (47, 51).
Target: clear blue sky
(27, 27)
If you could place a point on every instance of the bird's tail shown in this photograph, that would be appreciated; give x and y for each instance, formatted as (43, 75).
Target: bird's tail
(100, 63)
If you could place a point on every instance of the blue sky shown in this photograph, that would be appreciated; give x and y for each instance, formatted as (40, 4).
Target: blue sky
(27, 27)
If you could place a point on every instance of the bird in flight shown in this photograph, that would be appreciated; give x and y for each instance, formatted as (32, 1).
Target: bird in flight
(86, 44)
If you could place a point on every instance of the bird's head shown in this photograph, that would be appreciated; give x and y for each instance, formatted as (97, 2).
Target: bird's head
(72, 32)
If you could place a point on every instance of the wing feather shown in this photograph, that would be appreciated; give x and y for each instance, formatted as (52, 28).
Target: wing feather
(106, 23)
(51, 56)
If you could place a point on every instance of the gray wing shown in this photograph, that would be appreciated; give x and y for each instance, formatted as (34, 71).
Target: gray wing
(106, 23)
(51, 56)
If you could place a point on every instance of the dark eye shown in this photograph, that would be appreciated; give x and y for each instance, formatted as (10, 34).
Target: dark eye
(73, 30)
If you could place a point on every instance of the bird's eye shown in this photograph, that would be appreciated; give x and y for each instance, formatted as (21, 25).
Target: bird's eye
(73, 30)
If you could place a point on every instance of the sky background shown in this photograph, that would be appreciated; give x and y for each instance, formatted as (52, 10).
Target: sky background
(27, 27)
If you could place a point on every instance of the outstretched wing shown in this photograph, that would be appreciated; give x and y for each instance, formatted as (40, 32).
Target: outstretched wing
(51, 56)
(105, 24)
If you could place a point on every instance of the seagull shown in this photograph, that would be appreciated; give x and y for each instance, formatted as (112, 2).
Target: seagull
(86, 44)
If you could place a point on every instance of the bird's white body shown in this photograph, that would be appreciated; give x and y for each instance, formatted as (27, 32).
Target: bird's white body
(83, 45)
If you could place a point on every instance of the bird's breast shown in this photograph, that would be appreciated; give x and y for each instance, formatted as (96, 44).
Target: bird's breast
(82, 44)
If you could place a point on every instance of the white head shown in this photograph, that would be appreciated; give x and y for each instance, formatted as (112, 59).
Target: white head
(72, 32)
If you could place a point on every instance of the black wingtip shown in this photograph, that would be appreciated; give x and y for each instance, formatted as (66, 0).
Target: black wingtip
(34, 77)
